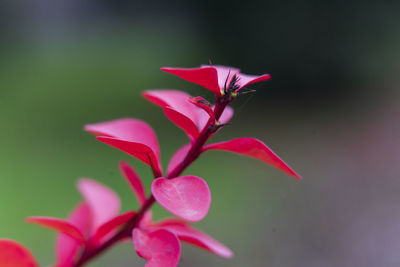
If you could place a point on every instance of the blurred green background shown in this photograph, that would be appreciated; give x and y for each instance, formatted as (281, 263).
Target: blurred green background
(331, 110)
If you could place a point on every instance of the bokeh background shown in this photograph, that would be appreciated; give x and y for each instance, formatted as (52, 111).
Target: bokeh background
(331, 110)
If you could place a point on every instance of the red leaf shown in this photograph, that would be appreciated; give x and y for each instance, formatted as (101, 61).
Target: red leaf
(256, 149)
(178, 157)
(215, 77)
(160, 248)
(203, 104)
(225, 74)
(104, 203)
(174, 99)
(67, 248)
(203, 76)
(110, 226)
(58, 225)
(168, 222)
(195, 237)
(187, 197)
(146, 220)
(245, 80)
(13, 254)
(134, 181)
(177, 108)
(137, 150)
(225, 117)
(182, 122)
(132, 136)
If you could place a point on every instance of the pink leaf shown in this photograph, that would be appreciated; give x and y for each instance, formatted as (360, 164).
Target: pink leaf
(177, 108)
(256, 149)
(208, 114)
(147, 219)
(203, 104)
(134, 181)
(171, 98)
(132, 136)
(178, 157)
(204, 76)
(170, 221)
(174, 99)
(58, 225)
(103, 202)
(182, 122)
(13, 254)
(187, 197)
(195, 237)
(225, 117)
(245, 80)
(67, 248)
(216, 77)
(160, 248)
(140, 151)
(110, 226)
(225, 74)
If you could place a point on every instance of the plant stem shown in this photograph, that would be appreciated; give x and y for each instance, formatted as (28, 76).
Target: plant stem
(191, 156)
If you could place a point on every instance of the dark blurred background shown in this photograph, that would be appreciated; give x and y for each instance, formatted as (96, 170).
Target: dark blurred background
(330, 110)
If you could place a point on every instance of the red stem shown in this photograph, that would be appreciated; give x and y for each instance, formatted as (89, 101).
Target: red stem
(191, 156)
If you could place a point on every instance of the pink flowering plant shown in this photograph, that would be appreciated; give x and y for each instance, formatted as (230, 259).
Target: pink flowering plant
(95, 224)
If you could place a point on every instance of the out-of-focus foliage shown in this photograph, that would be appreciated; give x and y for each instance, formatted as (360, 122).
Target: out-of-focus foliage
(330, 110)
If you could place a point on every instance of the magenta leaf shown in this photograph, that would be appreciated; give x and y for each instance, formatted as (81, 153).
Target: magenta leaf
(132, 136)
(195, 237)
(134, 181)
(13, 254)
(256, 149)
(203, 76)
(137, 150)
(168, 222)
(216, 78)
(174, 99)
(191, 114)
(58, 225)
(67, 248)
(177, 108)
(178, 157)
(203, 104)
(146, 220)
(182, 122)
(110, 226)
(103, 202)
(245, 80)
(225, 117)
(225, 74)
(160, 248)
(187, 197)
